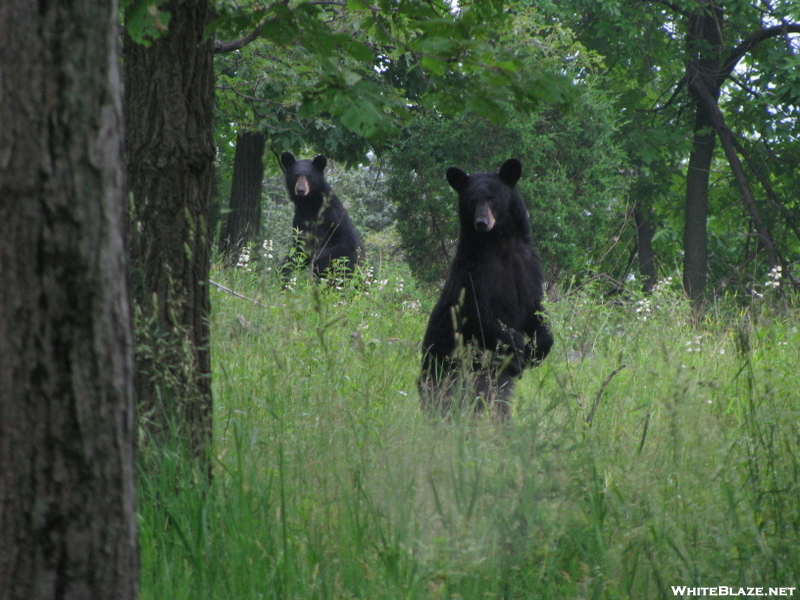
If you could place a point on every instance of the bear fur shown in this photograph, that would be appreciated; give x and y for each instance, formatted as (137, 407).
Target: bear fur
(324, 229)
(489, 323)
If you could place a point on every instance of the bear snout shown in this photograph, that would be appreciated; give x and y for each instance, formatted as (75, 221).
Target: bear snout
(302, 186)
(484, 219)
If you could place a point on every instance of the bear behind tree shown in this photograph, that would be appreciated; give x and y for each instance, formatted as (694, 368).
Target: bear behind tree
(325, 232)
(488, 324)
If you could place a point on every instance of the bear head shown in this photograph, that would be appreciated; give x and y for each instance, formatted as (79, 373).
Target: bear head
(304, 178)
(488, 202)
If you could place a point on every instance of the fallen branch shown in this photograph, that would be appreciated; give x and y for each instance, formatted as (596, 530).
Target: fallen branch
(230, 292)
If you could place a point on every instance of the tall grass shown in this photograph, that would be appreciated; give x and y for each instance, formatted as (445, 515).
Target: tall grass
(647, 451)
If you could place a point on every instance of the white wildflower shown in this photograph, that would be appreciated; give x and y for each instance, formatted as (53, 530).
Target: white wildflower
(774, 277)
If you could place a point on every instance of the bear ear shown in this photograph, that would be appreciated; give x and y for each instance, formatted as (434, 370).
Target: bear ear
(320, 162)
(287, 159)
(510, 172)
(457, 178)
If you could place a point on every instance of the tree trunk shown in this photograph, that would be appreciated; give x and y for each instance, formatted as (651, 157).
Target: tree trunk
(67, 419)
(695, 230)
(644, 248)
(169, 91)
(244, 219)
(728, 145)
(704, 47)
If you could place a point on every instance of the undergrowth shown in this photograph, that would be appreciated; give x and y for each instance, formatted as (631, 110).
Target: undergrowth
(647, 451)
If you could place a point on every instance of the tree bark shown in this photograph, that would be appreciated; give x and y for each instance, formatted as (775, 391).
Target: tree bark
(728, 146)
(67, 419)
(704, 47)
(244, 218)
(695, 228)
(169, 91)
(644, 248)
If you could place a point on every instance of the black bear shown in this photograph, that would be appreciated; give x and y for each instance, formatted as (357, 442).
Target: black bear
(324, 229)
(488, 324)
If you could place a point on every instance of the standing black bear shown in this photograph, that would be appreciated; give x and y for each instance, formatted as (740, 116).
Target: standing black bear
(488, 324)
(324, 229)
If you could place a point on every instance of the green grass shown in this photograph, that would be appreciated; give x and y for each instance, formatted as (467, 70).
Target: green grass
(645, 452)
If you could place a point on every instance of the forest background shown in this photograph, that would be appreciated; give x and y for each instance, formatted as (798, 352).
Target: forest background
(608, 175)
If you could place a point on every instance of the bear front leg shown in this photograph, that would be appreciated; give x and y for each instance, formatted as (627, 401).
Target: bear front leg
(437, 384)
(328, 255)
(540, 342)
(512, 345)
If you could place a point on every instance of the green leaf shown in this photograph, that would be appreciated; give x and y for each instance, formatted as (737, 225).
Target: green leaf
(144, 22)
(351, 78)
(434, 65)
(507, 65)
(357, 50)
(280, 30)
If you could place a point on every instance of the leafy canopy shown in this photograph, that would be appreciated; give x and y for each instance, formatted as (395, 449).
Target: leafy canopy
(335, 73)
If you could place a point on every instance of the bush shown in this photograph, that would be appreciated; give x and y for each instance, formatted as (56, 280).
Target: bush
(571, 183)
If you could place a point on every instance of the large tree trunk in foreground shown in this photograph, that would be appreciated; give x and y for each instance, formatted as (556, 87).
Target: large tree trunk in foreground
(244, 219)
(169, 91)
(67, 422)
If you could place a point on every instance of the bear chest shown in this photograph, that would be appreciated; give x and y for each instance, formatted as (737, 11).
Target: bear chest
(504, 283)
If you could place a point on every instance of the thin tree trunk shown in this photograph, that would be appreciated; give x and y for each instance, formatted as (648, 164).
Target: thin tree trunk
(704, 46)
(169, 89)
(727, 142)
(67, 419)
(244, 219)
(644, 248)
(695, 229)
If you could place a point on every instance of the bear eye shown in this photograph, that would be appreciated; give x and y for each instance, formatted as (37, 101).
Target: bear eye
(491, 199)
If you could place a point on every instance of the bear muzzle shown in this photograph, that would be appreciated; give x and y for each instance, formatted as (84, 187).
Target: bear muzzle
(484, 219)
(302, 186)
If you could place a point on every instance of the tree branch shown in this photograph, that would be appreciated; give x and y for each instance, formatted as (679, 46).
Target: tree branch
(773, 198)
(678, 88)
(752, 41)
(221, 47)
(726, 139)
(672, 6)
(230, 292)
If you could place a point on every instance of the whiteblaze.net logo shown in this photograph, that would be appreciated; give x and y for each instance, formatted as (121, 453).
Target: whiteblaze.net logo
(724, 590)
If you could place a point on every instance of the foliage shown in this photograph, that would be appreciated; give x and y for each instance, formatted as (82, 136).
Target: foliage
(645, 452)
(333, 75)
(144, 20)
(260, 88)
(646, 49)
(571, 183)
(361, 189)
(342, 80)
